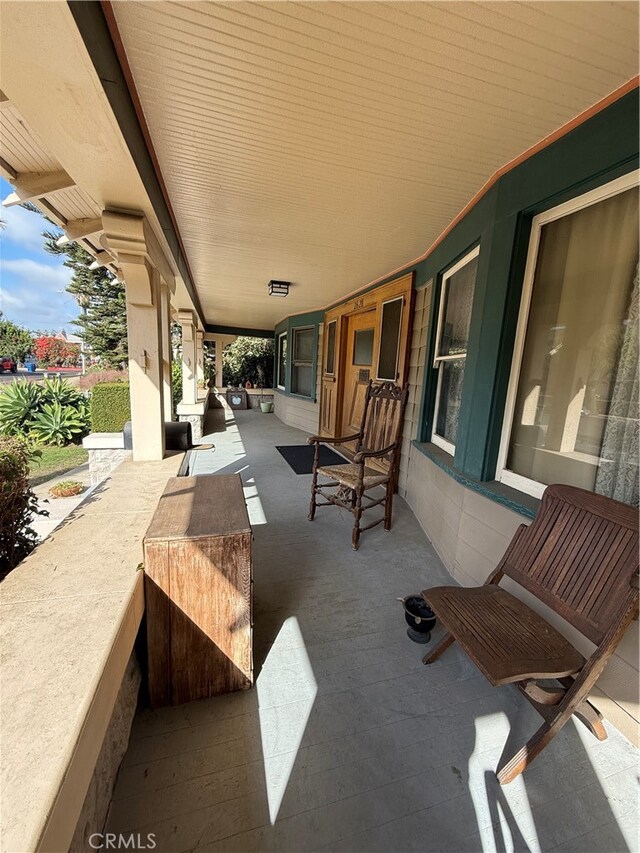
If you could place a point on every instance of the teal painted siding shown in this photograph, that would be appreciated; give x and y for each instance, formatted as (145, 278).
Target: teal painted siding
(595, 153)
(311, 318)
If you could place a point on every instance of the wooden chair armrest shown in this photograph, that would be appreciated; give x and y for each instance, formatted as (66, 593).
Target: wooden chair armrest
(634, 581)
(321, 439)
(373, 454)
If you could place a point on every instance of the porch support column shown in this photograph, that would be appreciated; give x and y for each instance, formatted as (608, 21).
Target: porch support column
(219, 342)
(165, 309)
(199, 361)
(189, 357)
(219, 348)
(127, 237)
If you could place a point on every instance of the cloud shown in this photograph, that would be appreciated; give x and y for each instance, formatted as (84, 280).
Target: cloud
(30, 293)
(23, 228)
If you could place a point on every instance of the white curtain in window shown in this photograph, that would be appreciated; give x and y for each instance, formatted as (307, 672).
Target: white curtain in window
(574, 416)
(618, 470)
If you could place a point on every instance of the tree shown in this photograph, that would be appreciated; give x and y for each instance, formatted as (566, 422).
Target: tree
(53, 352)
(103, 322)
(14, 340)
(248, 359)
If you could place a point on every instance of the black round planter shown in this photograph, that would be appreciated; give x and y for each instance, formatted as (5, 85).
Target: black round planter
(420, 618)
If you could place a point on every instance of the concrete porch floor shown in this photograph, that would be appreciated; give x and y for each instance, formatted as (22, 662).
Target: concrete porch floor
(348, 743)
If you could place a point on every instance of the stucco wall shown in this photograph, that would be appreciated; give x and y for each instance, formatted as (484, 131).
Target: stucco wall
(470, 532)
(96, 804)
(297, 411)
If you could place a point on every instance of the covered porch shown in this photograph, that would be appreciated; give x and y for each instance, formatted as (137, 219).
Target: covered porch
(348, 742)
(201, 152)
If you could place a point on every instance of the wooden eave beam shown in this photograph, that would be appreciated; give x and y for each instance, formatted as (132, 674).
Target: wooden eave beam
(103, 259)
(29, 186)
(7, 171)
(76, 229)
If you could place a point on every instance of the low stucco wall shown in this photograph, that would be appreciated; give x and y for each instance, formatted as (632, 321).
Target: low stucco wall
(98, 799)
(69, 617)
(471, 532)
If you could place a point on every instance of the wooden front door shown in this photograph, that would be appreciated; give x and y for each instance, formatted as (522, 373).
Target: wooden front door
(358, 366)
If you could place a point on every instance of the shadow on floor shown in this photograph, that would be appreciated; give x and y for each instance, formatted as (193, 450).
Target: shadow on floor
(347, 742)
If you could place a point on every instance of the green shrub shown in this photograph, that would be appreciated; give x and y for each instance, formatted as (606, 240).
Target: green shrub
(176, 384)
(58, 390)
(52, 413)
(248, 358)
(57, 424)
(110, 406)
(19, 403)
(18, 504)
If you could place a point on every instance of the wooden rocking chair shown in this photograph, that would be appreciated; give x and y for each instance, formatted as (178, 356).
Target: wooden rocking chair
(379, 438)
(579, 556)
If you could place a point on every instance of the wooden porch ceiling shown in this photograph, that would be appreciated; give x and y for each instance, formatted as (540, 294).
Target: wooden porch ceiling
(329, 143)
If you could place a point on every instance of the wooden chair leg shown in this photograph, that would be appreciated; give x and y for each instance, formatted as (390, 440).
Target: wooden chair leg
(357, 515)
(548, 730)
(314, 486)
(592, 719)
(525, 755)
(388, 505)
(443, 645)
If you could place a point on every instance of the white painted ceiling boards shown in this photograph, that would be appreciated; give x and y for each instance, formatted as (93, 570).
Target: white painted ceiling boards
(328, 143)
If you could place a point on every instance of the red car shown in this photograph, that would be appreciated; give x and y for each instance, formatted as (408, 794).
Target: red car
(7, 363)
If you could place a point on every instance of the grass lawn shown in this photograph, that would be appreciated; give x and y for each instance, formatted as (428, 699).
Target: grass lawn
(55, 461)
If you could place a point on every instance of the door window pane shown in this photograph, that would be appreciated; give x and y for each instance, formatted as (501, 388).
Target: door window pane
(576, 411)
(331, 347)
(363, 347)
(390, 339)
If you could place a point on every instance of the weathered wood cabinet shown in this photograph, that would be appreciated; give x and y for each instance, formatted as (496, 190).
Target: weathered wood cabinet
(198, 589)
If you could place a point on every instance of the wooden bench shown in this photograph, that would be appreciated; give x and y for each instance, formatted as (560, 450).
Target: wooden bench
(580, 557)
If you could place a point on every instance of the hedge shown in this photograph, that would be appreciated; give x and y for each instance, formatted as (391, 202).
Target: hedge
(110, 406)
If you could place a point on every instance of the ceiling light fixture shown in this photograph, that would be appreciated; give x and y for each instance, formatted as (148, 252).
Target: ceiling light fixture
(279, 288)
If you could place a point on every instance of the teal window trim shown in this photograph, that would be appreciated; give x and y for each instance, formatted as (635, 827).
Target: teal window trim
(514, 500)
(594, 153)
(311, 319)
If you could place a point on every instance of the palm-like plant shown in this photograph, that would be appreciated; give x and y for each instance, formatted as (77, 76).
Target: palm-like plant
(58, 390)
(19, 402)
(57, 424)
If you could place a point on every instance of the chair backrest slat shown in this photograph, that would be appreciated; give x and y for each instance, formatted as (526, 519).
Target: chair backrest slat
(382, 417)
(578, 556)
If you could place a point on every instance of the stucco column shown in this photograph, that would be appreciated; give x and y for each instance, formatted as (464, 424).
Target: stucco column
(219, 348)
(189, 357)
(199, 361)
(165, 319)
(130, 241)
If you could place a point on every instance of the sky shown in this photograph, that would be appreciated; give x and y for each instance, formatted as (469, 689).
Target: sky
(32, 282)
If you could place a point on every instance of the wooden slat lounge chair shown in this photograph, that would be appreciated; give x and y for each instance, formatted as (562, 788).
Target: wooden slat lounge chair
(579, 556)
(379, 439)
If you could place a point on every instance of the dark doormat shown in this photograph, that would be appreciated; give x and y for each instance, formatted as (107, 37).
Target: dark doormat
(300, 457)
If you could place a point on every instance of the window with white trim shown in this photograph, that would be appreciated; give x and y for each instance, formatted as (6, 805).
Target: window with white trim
(572, 406)
(454, 319)
(282, 360)
(302, 361)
